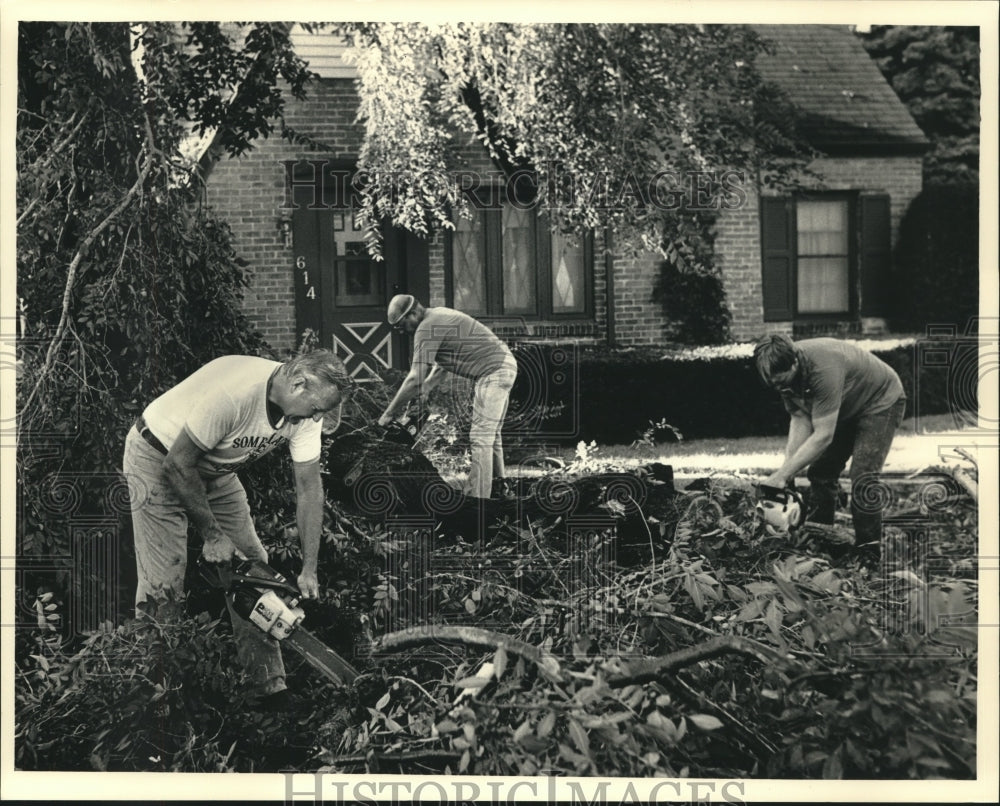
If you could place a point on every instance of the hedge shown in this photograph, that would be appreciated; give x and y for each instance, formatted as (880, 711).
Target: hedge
(936, 262)
(618, 392)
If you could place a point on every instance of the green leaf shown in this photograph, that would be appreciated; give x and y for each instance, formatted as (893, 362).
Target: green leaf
(471, 682)
(773, 618)
(545, 725)
(704, 721)
(499, 662)
(579, 737)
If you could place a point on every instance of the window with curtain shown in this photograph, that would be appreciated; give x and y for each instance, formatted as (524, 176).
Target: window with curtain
(823, 280)
(468, 264)
(506, 261)
(826, 255)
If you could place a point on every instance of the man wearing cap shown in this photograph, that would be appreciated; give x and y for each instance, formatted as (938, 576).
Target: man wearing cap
(844, 402)
(446, 339)
(181, 459)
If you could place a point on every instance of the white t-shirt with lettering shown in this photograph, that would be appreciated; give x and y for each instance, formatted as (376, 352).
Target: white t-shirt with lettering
(223, 408)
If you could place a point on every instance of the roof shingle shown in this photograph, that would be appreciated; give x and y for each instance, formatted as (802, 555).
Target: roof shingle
(845, 101)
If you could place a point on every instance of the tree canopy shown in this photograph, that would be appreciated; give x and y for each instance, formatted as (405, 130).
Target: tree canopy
(637, 128)
(119, 268)
(935, 72)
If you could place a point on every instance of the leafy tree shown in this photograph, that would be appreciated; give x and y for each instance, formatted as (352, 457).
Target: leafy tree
(935, 71)
(127, 282)
(601, 125)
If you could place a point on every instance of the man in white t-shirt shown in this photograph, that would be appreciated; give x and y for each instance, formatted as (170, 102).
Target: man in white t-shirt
(181, 459)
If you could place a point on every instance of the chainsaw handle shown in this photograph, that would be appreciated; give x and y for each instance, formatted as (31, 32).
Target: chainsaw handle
(226, 577)
(263, 582)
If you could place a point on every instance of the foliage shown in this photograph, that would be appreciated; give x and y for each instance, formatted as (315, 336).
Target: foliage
(145, 697)
(937, 258)
(714, 393)
(694, 304)
(127, 283)
(601, 125)
(868, 672)
(935, 72)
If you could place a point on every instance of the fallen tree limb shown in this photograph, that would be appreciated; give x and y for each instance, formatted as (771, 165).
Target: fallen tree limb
(466, 636)
(832, 533)
(648, 670)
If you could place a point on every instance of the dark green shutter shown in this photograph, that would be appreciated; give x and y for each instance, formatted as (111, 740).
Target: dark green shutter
(876, 258)
(778, 253)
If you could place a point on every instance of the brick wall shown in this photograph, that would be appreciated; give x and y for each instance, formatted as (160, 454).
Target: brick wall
(737, 244)
(248, 192)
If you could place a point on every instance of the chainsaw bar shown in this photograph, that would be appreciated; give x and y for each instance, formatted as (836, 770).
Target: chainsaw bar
(321, 657)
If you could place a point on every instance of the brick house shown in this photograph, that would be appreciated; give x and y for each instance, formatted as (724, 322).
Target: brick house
(815, 261)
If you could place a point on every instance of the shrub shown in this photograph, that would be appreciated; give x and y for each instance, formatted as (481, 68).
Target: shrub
(621, 391)
(936, 266)
(694, 304)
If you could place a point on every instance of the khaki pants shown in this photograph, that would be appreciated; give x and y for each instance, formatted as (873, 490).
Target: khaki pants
(866, 442)
(160, 526)
(489, 406)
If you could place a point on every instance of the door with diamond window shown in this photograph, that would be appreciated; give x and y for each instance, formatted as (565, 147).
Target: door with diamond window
(341, 293)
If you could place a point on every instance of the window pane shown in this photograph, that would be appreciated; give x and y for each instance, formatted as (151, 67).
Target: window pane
(519, 271)
(823, 285)
(567, 276)
(822, 227)
(823, 272)
(468, 265)
(358, 280)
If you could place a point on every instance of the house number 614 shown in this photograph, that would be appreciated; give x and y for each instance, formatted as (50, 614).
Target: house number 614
(300, 263)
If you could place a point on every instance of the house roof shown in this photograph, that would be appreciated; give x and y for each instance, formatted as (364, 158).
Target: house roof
(845, 101)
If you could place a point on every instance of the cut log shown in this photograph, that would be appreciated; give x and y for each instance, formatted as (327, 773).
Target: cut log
(831, 533)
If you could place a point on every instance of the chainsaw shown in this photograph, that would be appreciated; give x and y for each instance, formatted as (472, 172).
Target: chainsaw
(271, 603)
(404, 431)
(780, 508)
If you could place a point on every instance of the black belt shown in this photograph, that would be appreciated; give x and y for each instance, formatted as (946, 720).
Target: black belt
(149, 436)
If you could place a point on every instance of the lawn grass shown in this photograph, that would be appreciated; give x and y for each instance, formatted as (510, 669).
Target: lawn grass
(914, 447)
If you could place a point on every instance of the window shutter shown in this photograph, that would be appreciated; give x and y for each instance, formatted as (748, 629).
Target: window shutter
(778, 254)
(875, 256)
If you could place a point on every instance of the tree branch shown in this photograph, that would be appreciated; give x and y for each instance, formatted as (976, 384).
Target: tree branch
(648, 670)
(50, 155)
(467, 636)
(74, 265)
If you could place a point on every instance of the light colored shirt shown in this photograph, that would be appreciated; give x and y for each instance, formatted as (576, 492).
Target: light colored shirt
(839, 377)
(459, 344)
(223, 409)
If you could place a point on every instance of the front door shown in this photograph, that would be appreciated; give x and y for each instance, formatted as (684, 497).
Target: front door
(341, 293)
